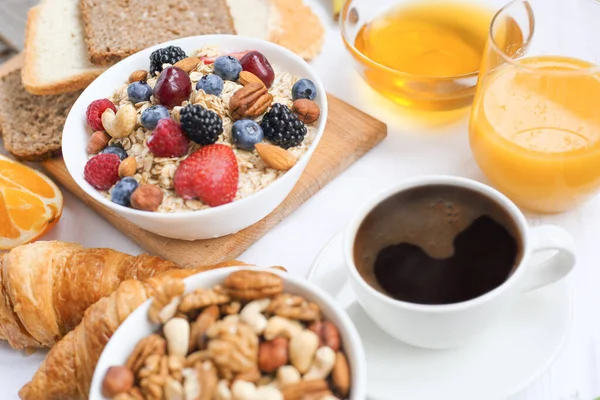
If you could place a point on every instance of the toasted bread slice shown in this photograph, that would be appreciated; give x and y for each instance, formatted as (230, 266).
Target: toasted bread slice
(115, 29)
(56, 58)
(31, 125)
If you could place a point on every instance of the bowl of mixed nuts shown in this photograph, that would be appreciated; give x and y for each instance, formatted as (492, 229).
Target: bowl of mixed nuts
(198, 137)
(234, 333)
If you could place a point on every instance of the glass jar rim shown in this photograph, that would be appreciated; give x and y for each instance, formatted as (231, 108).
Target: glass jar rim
(515, 62)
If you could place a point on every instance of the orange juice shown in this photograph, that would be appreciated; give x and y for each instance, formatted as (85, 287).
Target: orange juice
(535, 131)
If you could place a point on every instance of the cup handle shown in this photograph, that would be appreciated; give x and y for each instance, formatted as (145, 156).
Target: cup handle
(550, 237)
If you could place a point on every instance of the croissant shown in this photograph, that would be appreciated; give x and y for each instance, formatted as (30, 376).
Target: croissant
(45, 287)
(67, 371)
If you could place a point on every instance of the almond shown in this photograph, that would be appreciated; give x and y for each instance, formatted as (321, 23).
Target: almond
(188, 64)
(275, 157)
(98, 141)
(147, 198)
(127, 167)
(248, 77)
(307, 110)
(139, 75)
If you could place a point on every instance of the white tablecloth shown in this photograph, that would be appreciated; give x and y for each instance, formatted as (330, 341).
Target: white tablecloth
(411, 149)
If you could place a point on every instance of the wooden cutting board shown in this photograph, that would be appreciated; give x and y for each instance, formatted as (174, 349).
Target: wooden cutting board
(349, 134)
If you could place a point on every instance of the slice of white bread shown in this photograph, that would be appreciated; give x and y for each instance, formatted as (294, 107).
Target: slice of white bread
(56, 58)
(289, 23)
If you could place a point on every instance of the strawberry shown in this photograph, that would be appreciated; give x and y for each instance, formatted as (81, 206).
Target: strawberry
(167, 140)
(211, 60)
(93, 114)
(210, 174)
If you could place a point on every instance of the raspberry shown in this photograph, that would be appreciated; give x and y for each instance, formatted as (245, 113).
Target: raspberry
(167, 140)
(210, 174)
(102, 171)
(94, 113)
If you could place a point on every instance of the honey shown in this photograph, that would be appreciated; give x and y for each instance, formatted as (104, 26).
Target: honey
(431, 51)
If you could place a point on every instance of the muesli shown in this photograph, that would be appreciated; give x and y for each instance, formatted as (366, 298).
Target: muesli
(198, 131)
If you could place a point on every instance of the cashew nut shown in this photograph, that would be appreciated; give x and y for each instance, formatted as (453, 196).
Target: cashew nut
(223, 392)
(287, 375)
(122, 123)
(248, 391)
(329, 397)
(177, 333)
(174, 389)
(281, 327)
(191, 383)
(303, 347)
(252, 315)
(322, 365)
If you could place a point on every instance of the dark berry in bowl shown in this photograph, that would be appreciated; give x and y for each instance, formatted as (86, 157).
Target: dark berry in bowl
(121, 193)
(256, 63)
(173, 87)
(304, 89)
(138, 92)
(282, 127)
(166, 55)
(246, 133)
(151, 116)
(117, 150)
(210, 84)
(228, 68)
(93, 114)
(200, 125)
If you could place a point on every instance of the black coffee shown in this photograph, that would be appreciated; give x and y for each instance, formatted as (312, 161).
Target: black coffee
(437, 245)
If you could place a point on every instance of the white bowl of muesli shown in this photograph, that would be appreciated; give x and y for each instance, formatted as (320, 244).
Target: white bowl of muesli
(198, 137)
(234, 333)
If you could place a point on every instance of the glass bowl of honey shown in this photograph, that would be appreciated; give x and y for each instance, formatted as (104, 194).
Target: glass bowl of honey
(423, 54)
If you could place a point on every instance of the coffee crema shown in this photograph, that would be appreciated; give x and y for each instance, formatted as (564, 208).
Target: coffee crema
(437, 245)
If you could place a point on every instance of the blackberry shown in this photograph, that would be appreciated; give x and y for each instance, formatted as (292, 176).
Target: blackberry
(200, 125)
(166, 55)
(282, 127)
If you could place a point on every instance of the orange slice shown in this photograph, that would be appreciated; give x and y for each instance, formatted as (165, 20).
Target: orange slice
(30, 204)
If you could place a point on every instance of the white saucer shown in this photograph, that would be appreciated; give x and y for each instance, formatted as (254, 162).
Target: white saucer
(510, 357)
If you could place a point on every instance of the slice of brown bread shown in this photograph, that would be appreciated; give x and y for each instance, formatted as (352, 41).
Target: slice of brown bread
(115, 29)
(31, 125)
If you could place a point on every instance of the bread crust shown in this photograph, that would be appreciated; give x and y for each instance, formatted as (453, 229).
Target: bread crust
(30, 79)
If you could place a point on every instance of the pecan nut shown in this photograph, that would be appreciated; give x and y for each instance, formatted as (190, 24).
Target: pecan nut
(250, 101)
(253, 285)
(151, 345)
(201, 298)
(165, 301)
(294, 307)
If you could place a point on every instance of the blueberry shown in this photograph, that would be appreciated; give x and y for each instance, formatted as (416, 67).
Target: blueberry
(304, 89)
(138, 92)
(116, 149)
(228, 68)
(152, 115)
(121, 193)
(246, 133)
(211, 84)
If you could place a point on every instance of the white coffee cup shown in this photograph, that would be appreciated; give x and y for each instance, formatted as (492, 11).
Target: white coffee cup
(454, 325)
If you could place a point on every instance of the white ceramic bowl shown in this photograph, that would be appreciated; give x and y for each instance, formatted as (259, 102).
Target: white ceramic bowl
(137, 326)
(202, 224)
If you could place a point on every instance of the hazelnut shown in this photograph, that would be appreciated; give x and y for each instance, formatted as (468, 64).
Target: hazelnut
(139, 75)
(98, 141)
(328, 334)
(127, 167)
(118, 379)
(273, 354)
(307, 110)
(147, 198)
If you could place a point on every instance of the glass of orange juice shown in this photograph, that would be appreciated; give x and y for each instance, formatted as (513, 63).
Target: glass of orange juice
(535, 121)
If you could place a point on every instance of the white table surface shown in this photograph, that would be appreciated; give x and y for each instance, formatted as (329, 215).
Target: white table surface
(411, 149)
